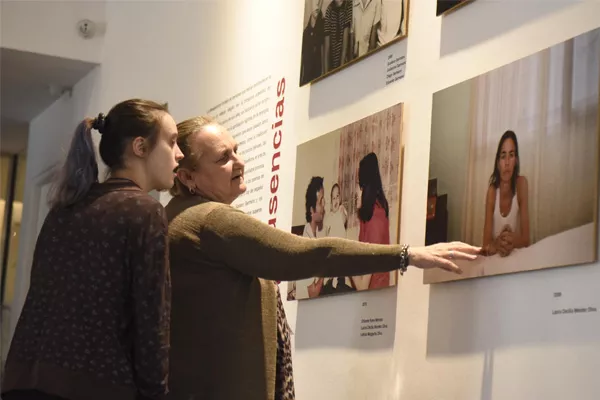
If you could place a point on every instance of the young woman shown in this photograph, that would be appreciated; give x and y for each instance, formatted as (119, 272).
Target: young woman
(373, 215)
(95, 324)
(506, 207)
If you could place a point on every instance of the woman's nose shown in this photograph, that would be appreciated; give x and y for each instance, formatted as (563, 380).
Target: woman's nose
(178, 154)
(239, 160)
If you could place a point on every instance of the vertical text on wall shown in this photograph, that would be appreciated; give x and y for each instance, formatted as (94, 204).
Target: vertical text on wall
(277, 128)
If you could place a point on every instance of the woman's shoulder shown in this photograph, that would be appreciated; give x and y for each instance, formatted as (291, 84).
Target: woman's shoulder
(127, 204)
(128, 195)
(195, 209)
(521, 181)
(144, 199)
(522, 186)
(141, 204)
(143, 212)
(491, 195)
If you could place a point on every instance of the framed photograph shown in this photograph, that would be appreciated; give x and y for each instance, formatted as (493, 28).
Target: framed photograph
(448, 6)
(348, 185)
(515, 156)
(337, 33)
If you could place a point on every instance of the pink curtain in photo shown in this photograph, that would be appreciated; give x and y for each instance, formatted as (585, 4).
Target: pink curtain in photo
(381, 134)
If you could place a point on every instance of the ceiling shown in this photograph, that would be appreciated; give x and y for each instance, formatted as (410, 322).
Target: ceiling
(29, 83)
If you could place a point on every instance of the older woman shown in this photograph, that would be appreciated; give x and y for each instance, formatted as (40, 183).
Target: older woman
(229, 335)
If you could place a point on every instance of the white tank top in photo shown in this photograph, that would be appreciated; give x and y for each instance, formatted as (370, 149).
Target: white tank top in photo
(512, 219)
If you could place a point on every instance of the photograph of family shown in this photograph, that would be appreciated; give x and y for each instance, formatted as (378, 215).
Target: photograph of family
(514, 163)
(347, 185)
(336, 32)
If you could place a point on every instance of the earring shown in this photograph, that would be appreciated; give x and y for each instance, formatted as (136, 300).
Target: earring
(192, 191)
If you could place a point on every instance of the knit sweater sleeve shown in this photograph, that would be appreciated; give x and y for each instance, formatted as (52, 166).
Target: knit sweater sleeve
(257, 249)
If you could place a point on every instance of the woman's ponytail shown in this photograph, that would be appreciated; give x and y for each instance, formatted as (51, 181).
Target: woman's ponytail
(124, 122)
(80, 170)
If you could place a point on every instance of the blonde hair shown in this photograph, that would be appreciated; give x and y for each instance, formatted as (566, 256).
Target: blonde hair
(185, 130)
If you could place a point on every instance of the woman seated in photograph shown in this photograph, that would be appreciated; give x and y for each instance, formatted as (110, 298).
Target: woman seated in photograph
(506, 207)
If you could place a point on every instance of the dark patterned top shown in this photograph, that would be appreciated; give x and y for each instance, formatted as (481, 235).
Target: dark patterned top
(95, 324)
(337, 18)
(284, 377)
(312, 47)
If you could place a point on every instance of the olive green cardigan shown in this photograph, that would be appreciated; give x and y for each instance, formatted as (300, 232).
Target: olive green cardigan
(223, 323)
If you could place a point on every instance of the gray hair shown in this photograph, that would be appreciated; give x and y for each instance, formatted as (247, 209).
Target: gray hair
(185, 130)
(80, 170)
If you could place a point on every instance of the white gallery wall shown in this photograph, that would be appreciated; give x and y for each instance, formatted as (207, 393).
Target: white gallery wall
(491, 338)
(50, 28)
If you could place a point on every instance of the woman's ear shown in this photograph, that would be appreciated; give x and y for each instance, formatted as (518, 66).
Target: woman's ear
(184, 176)
(139, 147)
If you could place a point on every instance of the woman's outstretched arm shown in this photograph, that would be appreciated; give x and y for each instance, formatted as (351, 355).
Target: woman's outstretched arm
(257, 249)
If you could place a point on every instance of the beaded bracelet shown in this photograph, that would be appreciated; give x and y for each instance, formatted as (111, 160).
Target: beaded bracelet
(404, 259)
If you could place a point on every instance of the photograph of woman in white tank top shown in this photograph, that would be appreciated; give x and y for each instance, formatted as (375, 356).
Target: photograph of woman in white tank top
(506, 210)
